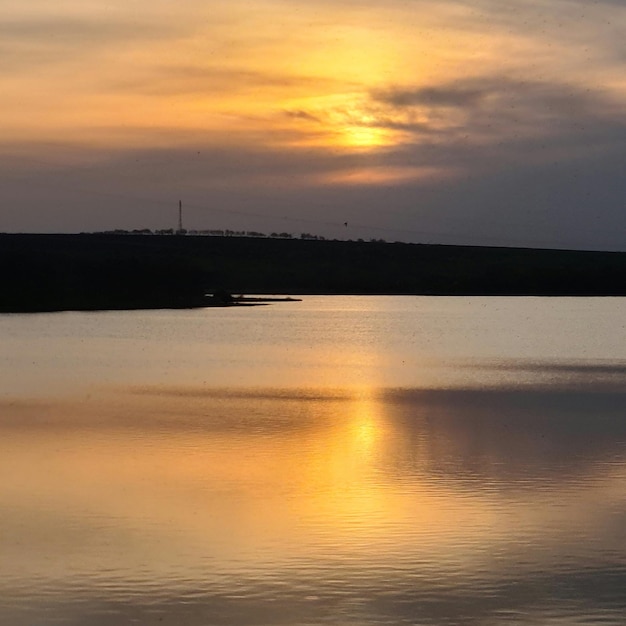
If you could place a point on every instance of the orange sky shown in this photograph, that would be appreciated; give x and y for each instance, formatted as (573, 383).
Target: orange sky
(295, 96)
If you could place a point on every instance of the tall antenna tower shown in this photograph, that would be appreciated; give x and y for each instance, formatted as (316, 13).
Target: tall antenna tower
(180, 216)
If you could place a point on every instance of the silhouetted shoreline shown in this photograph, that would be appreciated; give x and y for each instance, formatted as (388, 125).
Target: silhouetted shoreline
(109, 271)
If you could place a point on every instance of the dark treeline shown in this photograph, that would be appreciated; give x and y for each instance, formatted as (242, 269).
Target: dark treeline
(57, 272)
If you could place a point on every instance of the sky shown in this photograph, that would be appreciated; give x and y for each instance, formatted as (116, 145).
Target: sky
(482, 122)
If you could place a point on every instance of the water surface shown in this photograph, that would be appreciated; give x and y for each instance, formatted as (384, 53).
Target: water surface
(336, 461)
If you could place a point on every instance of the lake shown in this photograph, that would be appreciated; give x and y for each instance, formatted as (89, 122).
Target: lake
(340, 460)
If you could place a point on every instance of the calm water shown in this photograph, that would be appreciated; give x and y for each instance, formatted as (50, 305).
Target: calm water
(344, 461)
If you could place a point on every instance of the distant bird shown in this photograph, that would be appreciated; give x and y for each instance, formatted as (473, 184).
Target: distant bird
(345, 224)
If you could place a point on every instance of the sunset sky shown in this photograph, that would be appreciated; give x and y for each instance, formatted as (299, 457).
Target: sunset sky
(448, 121)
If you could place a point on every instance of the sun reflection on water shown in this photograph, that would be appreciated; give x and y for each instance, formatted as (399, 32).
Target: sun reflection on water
(235, 489)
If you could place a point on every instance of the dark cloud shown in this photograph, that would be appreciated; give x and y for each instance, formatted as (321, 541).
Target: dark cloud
(454, 96)
(494, 109)
(303, 115)
(498, 95)
(491, 122)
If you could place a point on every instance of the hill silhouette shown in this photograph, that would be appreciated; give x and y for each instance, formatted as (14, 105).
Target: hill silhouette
(109, 271)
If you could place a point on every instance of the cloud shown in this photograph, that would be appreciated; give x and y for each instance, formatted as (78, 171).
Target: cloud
(72, 29)
(437, 96)
(497, 92)
(475, 122)
(30, 42)
(485, 122)
(303, 115)
(499, 195)
(179, 79)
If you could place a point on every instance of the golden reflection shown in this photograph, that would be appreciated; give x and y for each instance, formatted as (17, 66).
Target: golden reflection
(245, 478)
(365, 427)
(349, 449)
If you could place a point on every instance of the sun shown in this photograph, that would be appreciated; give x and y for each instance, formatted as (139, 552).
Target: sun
(340, 121)
(364, 136)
